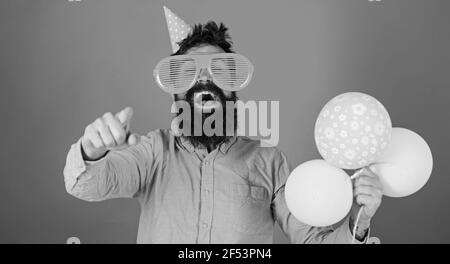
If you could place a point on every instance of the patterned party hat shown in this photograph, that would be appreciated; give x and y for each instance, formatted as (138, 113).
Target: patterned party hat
(178, 29)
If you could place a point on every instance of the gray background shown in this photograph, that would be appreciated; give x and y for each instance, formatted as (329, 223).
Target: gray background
(64, 63)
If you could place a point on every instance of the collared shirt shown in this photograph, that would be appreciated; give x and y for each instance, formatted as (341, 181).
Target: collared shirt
(233, 194)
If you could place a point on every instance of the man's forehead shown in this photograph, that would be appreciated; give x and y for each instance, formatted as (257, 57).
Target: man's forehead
(204, 49)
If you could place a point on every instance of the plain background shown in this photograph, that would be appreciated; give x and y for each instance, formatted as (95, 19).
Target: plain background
(64, 63)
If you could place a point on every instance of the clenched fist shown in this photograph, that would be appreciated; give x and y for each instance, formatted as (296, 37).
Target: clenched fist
(368, 193)
(109, 132)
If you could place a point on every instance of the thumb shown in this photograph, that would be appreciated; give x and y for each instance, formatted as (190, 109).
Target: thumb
(133, 139)
(124, 116)
(367, 171)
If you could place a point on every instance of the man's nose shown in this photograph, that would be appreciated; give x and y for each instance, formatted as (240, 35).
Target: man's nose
(204, 76)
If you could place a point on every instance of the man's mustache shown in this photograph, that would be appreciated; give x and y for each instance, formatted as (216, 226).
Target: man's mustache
(205, 87)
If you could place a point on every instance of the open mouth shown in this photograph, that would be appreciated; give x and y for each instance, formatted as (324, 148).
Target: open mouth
(206, 100)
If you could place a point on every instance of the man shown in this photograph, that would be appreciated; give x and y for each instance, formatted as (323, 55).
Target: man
(200, 188)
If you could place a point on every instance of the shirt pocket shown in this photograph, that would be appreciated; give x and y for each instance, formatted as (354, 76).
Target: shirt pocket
(250, 209)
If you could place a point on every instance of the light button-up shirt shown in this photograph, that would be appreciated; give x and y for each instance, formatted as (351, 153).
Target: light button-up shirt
(233, 194)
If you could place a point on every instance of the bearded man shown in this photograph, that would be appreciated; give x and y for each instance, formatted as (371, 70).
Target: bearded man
(197, 187)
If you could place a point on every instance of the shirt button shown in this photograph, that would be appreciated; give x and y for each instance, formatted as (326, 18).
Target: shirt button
(205, 225)
(206, 163)
(207, 191)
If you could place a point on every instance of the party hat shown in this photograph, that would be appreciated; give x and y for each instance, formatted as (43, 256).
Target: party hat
(178, 29)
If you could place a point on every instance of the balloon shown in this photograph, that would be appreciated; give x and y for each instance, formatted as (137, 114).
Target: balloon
(352, 130)
(406, 165)
(318, 194)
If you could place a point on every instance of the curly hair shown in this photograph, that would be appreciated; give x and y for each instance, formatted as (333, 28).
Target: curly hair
(209, 33)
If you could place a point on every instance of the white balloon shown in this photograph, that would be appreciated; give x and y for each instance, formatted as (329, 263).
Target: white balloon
(392, 178)
(352, 130)
(406, 165)
(318, 194)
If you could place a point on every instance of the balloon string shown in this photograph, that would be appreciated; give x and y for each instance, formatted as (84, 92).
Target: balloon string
(356, 224)
(356, 174)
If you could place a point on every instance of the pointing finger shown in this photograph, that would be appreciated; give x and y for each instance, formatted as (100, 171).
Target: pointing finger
(124, 116)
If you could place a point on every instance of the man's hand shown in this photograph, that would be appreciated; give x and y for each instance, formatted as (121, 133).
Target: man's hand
(368, 192)
(107, 133)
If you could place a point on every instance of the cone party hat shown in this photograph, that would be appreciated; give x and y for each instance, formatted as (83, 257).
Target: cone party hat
(178, 29)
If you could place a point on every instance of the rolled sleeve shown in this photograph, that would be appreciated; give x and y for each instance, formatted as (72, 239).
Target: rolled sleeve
(347, 237)
(75, 165)
(120, 174)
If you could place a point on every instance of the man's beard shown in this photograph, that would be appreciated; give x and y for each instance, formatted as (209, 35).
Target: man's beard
(229, 125)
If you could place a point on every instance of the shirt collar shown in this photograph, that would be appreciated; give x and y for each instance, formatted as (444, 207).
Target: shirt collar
(225, 146)
(186, 144)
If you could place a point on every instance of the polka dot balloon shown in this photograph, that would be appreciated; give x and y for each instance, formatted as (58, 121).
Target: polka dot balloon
(352, 130)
